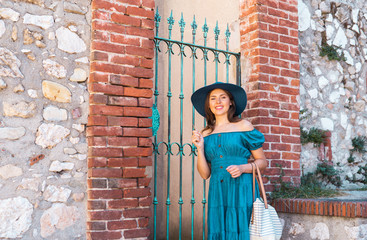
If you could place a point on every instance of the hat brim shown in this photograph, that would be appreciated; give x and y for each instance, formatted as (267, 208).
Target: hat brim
(239, 95)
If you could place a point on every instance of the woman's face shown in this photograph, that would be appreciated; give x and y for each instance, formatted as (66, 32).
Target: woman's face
(219, 102)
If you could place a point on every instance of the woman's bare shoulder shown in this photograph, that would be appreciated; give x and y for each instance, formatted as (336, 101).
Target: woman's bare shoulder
(205, 132)
(245, 125)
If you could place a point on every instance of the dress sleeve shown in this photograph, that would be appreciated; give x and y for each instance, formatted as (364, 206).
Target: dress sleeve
(255, 139)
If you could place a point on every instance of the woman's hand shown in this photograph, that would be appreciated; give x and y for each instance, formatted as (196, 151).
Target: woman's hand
(197, 139)
(235, 170)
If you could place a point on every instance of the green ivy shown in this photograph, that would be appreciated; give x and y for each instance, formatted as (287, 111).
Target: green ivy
(311, 187)
(314, 135)
(359, 144)
(327, 173)
(331, 52)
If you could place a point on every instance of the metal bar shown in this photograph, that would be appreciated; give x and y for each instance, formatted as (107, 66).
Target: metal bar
(216, 58)
(182, 53)
(205, 33)
(169, 95)
(196, 46)
(194, 27)
(157, 19)
(228, 34)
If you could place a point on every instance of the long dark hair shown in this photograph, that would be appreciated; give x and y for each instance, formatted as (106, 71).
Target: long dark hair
(210, 117)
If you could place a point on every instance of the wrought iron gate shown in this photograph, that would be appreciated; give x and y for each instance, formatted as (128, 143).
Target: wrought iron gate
(164, 150)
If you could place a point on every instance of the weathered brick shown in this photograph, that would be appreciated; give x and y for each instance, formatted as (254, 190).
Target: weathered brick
(122, 183)
(97, 99)
(124, 39)
(146, 63)
(136, 193)
(133, 172)
(140, 51)
(137, 112)
(139, 72)
(104, 235)
(123, 121)
(141, 12)
(124, 80)
(122, 141)
(290, 139)
(123, 203)
(136, 92)
(135, 31)
(108, 47)
(123, 101)
(137, 152)
(126, 20)
(291, 155)
(96, 225)
(107, 67)
(96, 204)
(143, 222)
(101, 15)
(104, 131)
(105, 152)
(145, 102)
(145, 142)
(107, 5)
(97, 120)
(106, 110)
(281, 147)
(123, 162)
(106, 89)
(132, 61)
(144, 182)
(105, 172)
(138, 132)
(137, 212)
(97, 162)
(97, 183)
(148, 3)
(272, 138)
(97, 55)
(124, 224)
(105, 194)
(145, 122)
(98, 77)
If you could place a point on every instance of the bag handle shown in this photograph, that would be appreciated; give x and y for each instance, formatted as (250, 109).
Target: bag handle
(260, 183)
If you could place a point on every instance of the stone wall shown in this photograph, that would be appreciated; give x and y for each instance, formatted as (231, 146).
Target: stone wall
(44, 50)
(334, 92)
(300, 226)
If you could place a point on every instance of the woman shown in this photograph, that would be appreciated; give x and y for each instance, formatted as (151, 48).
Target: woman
(224, 147)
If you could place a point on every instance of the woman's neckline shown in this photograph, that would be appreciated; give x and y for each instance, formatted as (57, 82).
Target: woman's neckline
(231, 132)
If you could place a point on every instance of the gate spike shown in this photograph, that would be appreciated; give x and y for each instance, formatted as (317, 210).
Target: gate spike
(194, 26)
(182, 23)
(170, 21)
(216, 31)
(205, 29)
(228, 33)
(157, 17)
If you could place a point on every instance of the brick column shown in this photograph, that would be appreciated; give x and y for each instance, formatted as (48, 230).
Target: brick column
(118, 132)
(269, 46)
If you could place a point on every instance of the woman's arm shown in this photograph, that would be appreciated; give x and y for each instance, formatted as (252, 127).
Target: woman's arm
(202, 165)
(260, 160)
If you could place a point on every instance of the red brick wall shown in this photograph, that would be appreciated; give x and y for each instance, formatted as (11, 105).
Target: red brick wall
(269, 43)
(120, 86)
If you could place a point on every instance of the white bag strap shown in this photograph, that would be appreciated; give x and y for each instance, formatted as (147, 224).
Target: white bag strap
(260, 183)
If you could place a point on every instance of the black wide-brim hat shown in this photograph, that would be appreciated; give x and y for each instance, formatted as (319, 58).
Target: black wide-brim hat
(239, 95)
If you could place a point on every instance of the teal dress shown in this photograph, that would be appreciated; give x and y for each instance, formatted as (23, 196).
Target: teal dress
(230, 199)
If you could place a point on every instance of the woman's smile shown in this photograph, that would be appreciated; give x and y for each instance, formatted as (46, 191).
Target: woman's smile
(219, 102)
